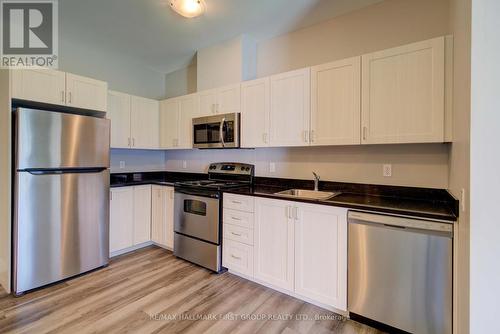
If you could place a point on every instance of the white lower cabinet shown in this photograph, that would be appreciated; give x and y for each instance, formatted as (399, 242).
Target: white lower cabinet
(130, 217)
(162, 216)
(321, 254)
(298, 248)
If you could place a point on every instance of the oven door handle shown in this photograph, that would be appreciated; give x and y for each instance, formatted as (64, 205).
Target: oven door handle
(221, 129)
(199, 193)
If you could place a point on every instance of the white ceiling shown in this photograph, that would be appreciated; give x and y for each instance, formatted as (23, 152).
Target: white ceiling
(149, 33)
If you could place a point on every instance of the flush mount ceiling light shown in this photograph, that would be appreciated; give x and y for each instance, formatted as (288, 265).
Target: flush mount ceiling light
(188, 8)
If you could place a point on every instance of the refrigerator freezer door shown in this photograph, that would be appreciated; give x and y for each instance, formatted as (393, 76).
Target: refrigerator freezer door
(61, 226)
(51, 140)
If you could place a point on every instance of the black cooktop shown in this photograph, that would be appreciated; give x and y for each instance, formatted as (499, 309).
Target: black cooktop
(212, 184)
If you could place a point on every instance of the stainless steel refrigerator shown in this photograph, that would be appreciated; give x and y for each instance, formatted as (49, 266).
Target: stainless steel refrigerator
(61, 196)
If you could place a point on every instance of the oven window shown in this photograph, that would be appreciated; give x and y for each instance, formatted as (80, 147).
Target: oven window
(195, 207)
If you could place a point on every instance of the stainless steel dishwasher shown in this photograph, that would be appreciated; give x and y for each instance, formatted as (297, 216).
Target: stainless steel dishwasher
(400, 272)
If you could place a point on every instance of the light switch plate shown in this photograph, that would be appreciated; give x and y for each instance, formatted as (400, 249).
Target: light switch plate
(184, 164)
(387, 170)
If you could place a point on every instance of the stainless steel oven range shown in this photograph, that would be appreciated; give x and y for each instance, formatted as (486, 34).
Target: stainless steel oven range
(198, 213)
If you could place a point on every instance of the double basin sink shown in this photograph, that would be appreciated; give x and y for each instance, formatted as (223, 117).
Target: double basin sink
(307, 194)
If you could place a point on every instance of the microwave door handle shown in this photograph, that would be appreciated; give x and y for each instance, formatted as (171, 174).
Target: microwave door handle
(221, 134)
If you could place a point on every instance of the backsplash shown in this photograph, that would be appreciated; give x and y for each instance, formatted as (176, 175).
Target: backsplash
(137, 160)
(424, 165)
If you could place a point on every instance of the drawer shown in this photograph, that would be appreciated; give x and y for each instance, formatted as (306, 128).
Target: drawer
(237, 257)
(238, 202)
(237, 233)
(238, 218)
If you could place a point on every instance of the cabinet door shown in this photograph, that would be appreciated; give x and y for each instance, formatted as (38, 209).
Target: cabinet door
(162, 216)
(207, 102)
(121, 222)
(403, 94)
(188, 109)
(86, 93)
(142, 214)
(321, 254)
(169, 214)
(119, 114)
(228, 99)
(158, 215)
(145, 123)
(274, 243)
(169, 123)
(255, 107)
(45, 86)
(335, 103)
(290, 108)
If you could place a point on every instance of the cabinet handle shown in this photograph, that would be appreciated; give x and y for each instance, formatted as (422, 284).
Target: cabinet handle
(236, 234)
(236, 202)
(264, 137)
(306, 135)
(295, 213)
(129, 142)
(289, 212)
(235, 218)
(69, 98)
(235, 257)
(365, 130)
(311, 136)
(63, 96)
(133, 142)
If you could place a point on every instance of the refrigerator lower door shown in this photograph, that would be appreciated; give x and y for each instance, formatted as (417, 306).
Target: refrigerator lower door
(61, 226)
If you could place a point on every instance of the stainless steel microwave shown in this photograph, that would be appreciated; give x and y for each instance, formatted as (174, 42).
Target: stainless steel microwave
(218, 131)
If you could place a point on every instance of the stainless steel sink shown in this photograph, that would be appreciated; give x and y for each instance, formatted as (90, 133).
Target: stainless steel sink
(307, 194)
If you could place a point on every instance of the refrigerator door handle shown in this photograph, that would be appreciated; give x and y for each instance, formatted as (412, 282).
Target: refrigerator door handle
(65, 171)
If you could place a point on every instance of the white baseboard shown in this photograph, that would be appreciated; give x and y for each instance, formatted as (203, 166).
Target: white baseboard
(130, 249)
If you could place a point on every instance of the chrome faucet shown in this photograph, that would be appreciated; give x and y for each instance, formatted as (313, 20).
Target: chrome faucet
(316, 181)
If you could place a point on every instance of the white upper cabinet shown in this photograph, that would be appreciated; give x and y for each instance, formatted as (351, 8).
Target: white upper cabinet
(274, 243)
(45, 86)
(290, 108)
(228, 99)
(145, 119)
(255, 113)
(188, 109)
(208, 102)
(119, 114)
(335, 103)
(60, 88)
(220, 101)
(169, 123)
(86, 93)
(321, 254)
(403, 94)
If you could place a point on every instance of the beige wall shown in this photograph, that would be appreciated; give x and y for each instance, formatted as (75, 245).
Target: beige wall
(181, 82)
(379, 26)
(5, 180)
(460, 11)
(412, 165)
(383, 25)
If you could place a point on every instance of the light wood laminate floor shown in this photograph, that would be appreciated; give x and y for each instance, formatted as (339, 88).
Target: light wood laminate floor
(151, 291)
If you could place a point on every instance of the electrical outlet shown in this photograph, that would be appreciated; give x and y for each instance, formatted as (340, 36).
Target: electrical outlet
(272, 167)
(387, 170)
(122, 164)
(184, 164)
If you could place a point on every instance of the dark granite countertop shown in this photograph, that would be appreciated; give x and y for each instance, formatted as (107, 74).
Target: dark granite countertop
(409, 201)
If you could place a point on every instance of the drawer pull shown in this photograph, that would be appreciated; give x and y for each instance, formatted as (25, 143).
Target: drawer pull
(236, 202)
(236, 234)
(235, 218)
(235, 257)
